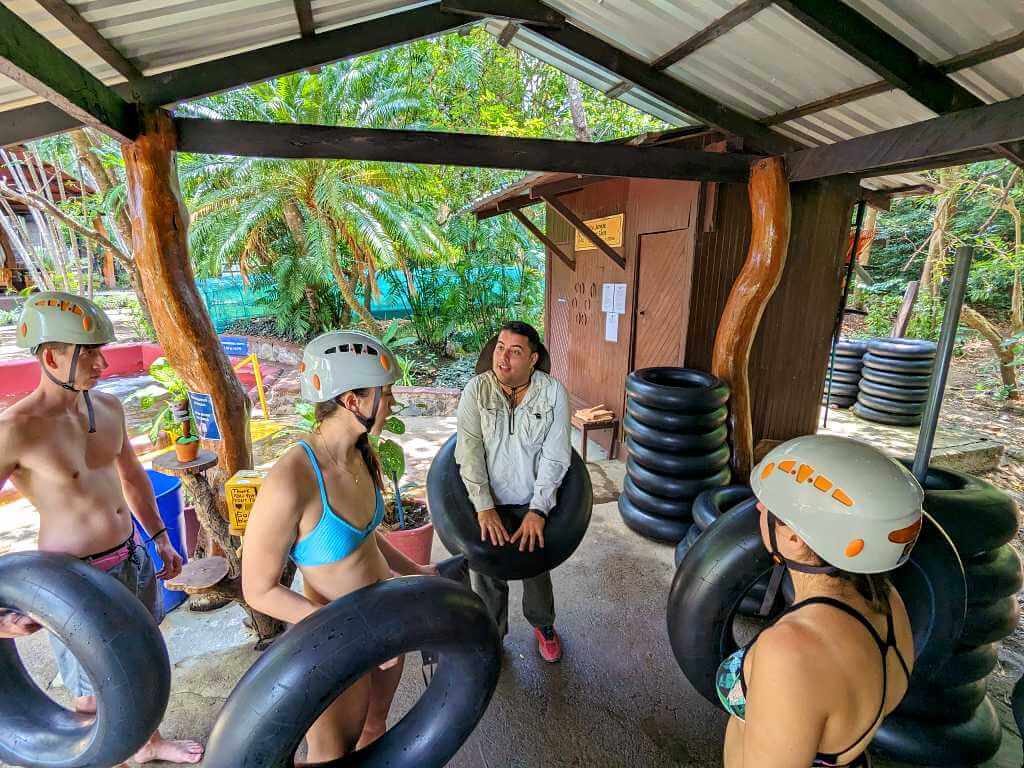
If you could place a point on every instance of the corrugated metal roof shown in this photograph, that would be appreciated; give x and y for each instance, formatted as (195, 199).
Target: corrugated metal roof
(768, 64)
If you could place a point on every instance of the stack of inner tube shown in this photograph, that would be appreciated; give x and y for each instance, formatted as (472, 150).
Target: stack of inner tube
(947, 718)
(842, 379)
(707, 508)
(895, 379)
(676, 433)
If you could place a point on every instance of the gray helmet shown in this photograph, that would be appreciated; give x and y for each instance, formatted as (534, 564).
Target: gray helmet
(62, 317)
(340, 361)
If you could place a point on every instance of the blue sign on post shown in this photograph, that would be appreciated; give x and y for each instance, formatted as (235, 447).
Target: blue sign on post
(203, 415)
(235, 346)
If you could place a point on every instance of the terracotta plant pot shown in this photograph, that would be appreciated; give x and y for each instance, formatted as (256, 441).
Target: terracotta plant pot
(186, 452)
(414, 543)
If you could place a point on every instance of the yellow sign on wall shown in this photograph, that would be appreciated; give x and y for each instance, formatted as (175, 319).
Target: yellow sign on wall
(608, 228)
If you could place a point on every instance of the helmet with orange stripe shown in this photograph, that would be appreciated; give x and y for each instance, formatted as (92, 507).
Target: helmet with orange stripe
(337, 362)
(856, 508)
(55, 317)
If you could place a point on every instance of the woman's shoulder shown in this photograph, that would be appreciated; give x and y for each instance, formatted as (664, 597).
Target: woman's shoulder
(291, 469)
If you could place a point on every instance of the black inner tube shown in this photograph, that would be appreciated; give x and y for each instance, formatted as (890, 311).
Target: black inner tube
(267, 715)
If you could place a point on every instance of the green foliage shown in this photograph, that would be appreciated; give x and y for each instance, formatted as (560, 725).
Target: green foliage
(9, 316)
(306, 413)
(170, 388)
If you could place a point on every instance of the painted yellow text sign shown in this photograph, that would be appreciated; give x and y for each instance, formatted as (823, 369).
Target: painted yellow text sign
(608, 228)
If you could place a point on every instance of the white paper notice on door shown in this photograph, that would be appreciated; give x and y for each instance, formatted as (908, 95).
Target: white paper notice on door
(607, 297)
(611, 327)
(620, 299)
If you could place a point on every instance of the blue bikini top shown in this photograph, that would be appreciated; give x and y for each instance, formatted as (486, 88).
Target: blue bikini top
(333, 538)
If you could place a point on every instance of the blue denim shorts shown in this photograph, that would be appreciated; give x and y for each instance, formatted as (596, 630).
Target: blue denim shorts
(139, 576)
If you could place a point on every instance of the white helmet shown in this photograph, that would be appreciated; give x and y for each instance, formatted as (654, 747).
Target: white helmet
(62, 317)
(859, 510)
(340, 361)
(69, 319)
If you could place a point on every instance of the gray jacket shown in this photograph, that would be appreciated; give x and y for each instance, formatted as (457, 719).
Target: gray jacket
(513, 458)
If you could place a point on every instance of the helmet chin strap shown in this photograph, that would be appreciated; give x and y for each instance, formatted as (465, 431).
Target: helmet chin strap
(368, 422)
(70, 386)
(781, 564)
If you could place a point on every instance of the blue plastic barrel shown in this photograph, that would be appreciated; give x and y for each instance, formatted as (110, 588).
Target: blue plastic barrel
(170, 501)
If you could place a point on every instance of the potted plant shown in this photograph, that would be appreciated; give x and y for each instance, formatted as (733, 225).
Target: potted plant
(406, 516)
(163, 430)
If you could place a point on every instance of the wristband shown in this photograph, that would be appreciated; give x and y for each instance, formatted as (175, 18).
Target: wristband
(155, 535)
(543, 514)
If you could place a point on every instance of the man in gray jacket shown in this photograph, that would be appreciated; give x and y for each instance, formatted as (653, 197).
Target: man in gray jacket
(513, 451)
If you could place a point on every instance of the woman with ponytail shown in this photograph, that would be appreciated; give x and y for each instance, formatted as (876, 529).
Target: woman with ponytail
(813, 686)
(321, 505)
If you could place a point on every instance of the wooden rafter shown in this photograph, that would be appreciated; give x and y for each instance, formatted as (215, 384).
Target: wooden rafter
(508, 32)
(912, 146)
(528, 11)
(576, 222)
(675, 92)
(67, 15)
(304, 15)
(294, 141)
(34, 62)
(955, 64)
(713, 31)
(879, 51)
(18, 125)
(295, 55)
(548, 242)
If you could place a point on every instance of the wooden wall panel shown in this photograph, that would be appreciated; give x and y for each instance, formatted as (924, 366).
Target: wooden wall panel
(722, 241)
(792, 345)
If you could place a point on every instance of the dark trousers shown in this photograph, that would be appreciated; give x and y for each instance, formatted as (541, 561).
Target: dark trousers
(538, 599)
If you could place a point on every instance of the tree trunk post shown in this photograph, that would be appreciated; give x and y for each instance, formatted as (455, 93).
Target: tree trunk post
(754, 286)
(183, 327)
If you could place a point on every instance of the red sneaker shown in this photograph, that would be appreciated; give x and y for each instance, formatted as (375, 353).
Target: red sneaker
(549, 644)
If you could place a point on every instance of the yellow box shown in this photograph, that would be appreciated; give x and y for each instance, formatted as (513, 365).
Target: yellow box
(241, 492)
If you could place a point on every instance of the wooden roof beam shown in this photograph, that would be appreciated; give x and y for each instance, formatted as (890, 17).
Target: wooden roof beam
(675, 92)
(547, 241)
(957, 63)
(712, 32)
(67, 15)
(295, 141)
(942, 139)
(34, 62)
(532, 12)
(294, 55)
(26, 123)
(304, 15)
(575, 221)
(879, 51)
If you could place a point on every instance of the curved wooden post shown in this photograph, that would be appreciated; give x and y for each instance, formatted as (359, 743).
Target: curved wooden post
(183, 326)
(754, 286)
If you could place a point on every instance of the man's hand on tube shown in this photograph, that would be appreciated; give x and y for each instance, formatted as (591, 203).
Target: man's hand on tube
(491, 527)
(531, 532)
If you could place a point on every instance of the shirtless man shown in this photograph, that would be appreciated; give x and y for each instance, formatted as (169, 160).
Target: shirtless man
(67, 451)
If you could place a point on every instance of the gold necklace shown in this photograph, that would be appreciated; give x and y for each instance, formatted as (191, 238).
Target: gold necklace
(335, 462)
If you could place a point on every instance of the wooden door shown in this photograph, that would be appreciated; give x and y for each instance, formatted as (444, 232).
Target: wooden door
(663, 298)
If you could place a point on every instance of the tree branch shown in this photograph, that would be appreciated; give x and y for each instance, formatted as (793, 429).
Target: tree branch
(40, 203)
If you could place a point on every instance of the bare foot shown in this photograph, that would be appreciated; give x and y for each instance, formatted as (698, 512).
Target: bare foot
(159, 748)
(85, 705)
(371, 732)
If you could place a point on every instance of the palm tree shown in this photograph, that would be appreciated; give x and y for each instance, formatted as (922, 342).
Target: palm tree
(353, 218)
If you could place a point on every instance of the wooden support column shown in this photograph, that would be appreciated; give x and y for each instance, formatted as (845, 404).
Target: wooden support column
(754, 286)
(183, 327)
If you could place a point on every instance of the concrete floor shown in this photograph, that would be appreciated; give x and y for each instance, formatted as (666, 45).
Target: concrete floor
(617, 699)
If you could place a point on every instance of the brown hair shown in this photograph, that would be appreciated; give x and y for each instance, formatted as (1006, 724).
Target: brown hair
(873, 587)
(323, 411)
(56, 346)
